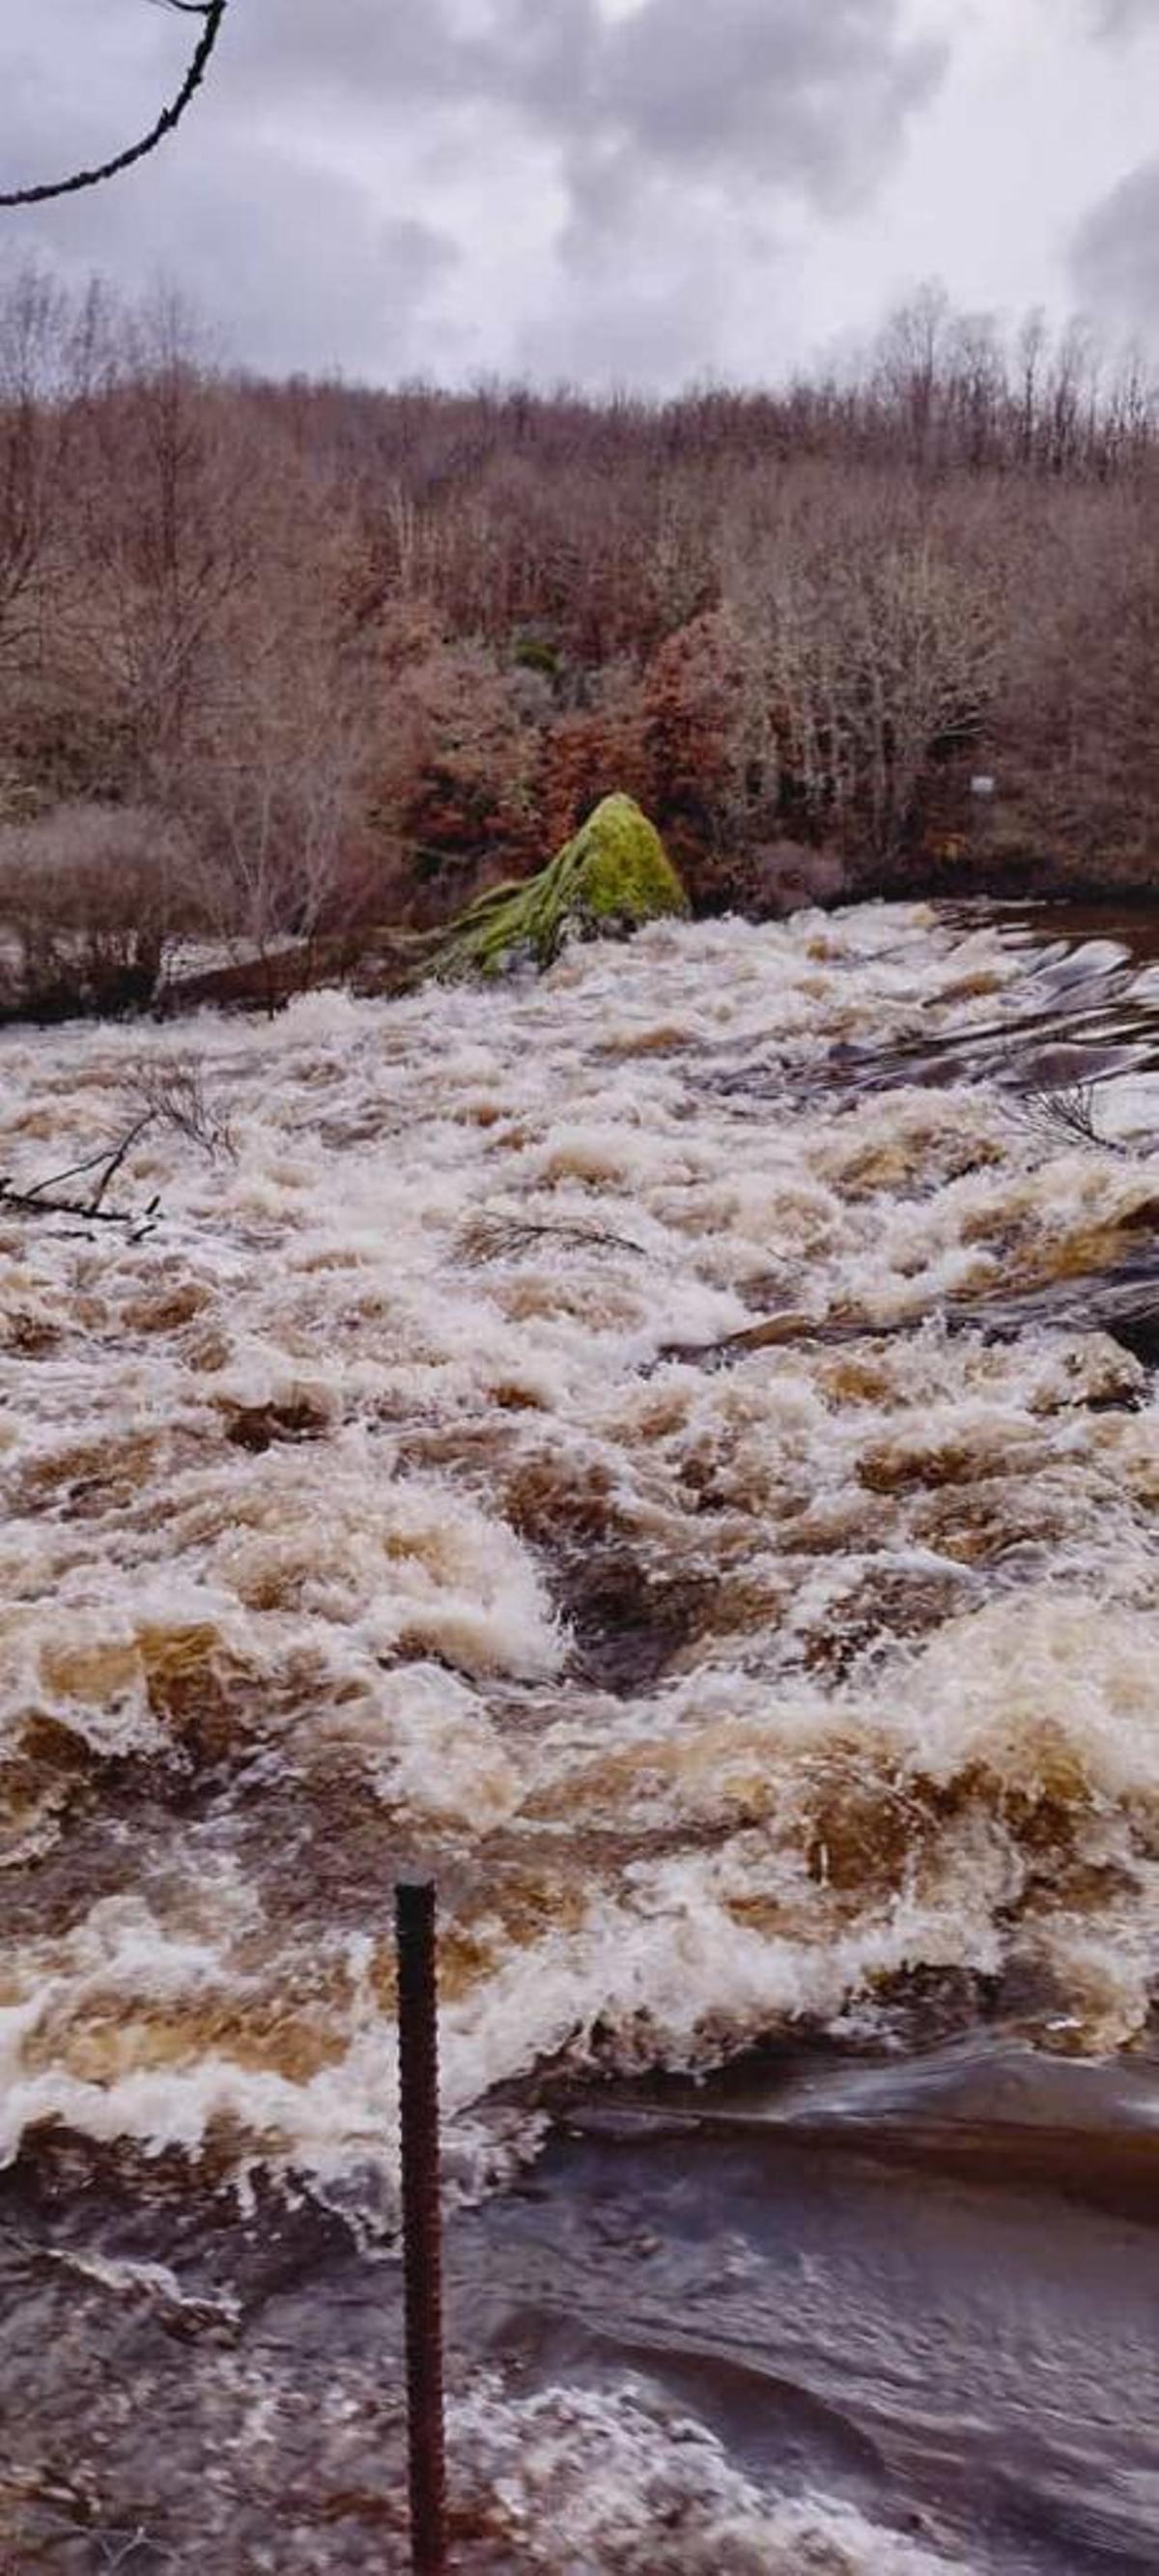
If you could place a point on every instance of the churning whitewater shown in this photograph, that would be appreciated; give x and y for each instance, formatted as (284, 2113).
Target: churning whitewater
(389, 1503)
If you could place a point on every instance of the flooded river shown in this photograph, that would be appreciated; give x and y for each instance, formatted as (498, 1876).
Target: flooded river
(670, 1447)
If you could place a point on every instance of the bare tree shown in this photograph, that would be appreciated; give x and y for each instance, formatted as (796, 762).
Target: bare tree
(161, 503)
(274, 768)
(32, 332)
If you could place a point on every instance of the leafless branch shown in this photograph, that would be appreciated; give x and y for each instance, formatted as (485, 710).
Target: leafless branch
(496, 1238)
(173, 1091)
(36, 1200)
(1068, 1113)
(212, 12)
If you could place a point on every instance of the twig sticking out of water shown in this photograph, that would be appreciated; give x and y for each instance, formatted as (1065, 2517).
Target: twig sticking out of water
(1069, 1113)
(495, 1238)
(42, 1198)
(114, 2548)
(173, 1091)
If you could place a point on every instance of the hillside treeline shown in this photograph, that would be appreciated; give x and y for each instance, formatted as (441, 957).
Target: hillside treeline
(287, 659)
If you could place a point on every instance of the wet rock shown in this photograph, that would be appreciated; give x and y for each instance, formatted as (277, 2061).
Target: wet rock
(612, 878)
(1137, 1333)
(257, 1426)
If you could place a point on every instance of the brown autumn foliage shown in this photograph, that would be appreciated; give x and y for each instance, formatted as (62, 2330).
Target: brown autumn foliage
(356, 653)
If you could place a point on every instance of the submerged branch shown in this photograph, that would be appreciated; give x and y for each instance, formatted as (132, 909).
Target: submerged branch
(36, 1201)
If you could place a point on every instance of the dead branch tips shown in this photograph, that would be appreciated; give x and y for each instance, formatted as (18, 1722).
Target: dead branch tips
(497, 1238)
(173, 1091)
(1067, 1115)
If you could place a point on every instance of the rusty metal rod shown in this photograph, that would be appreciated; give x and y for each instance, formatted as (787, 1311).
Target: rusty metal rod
(418, 2058)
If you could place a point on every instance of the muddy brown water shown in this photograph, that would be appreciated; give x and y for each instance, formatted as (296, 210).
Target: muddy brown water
(885, 2298)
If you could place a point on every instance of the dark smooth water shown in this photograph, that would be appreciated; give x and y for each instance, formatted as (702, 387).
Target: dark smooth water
(922, 2282)
(930, 2285)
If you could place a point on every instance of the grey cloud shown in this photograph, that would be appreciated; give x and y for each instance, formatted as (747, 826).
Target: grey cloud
(294, 265)
(712, 99)
(1115, 252)
(651, 294)
(426, 53)
(802, 96)
(1122, 17)
(687, 123)
(282, 49)
(791, 93)
(658, 333)
(284, 273)
(649, 142)
(289, 274)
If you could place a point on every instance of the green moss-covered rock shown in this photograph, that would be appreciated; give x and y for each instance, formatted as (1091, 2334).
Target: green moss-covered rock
(614, 876)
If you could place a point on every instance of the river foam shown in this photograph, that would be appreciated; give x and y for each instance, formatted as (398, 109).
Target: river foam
(380, 1508)
(576, 2479)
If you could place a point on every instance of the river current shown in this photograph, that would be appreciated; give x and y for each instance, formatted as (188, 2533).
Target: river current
(671, 1448)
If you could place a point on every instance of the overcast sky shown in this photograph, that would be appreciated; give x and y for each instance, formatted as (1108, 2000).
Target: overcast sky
(632, 191)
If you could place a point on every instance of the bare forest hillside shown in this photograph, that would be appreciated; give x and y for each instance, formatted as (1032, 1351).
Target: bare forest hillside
(295, 659)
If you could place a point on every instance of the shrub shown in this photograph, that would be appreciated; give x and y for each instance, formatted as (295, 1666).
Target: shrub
(86, 910)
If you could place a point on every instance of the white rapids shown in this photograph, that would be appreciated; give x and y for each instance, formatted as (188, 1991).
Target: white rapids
(333, 1507)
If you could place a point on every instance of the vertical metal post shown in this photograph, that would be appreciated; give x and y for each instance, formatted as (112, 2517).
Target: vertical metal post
(418, 2055)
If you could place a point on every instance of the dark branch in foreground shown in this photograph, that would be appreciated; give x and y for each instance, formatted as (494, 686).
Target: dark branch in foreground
(138, 1222)
(213, 13)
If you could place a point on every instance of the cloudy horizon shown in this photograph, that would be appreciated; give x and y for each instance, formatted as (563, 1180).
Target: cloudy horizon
(640, 192)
